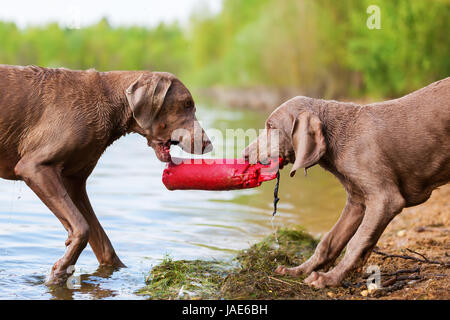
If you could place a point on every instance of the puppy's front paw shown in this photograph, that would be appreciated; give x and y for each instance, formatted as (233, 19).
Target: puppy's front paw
(282, 270)
(296, 271)
(321, 280)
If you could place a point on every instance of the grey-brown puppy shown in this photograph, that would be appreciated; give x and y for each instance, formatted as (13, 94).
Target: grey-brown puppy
(387, 155)
(56, 123)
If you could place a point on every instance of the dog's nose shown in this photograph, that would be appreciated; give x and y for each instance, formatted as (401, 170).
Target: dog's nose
(207, 146)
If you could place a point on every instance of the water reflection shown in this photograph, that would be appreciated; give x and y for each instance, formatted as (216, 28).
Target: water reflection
(86, 284)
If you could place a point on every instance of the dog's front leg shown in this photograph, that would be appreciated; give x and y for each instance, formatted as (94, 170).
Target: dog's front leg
(380, 210)
(98, 240)
(333, 242)
(45, 180)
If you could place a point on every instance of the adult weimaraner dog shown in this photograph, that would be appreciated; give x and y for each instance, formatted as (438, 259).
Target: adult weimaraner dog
(387, 155)
(56, 123)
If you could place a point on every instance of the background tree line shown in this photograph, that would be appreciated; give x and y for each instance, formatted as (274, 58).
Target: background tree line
(321, 47)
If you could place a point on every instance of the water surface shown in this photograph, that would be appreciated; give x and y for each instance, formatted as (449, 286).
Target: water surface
(145, 221)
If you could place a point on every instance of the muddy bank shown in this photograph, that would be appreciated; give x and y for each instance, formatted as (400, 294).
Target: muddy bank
(412, 255)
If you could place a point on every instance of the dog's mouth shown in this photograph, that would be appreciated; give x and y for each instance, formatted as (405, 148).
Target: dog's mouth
(162, 150)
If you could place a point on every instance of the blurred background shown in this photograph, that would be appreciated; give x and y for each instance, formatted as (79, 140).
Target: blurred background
(250, 55)
(320, 48)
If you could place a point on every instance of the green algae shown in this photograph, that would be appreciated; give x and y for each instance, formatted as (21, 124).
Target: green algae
(248, 276)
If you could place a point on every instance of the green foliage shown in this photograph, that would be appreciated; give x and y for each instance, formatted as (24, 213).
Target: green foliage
(325, 48)
(410, 50)
(98, 46)
(322, 47)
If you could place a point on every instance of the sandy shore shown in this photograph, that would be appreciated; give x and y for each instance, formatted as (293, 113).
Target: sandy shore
(424, 229)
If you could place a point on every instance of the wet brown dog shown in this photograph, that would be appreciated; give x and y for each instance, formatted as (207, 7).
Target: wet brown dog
(388, 156)
(56, 123)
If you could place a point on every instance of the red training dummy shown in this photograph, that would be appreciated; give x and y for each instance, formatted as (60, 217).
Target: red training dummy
(217, 174)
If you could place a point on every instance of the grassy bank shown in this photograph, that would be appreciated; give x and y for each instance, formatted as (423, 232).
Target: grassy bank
(248, 276)
(410, 246)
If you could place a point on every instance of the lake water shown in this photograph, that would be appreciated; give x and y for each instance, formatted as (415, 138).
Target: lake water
(145, 221)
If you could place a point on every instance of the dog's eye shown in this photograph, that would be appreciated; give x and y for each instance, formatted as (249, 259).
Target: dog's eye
(189, 104)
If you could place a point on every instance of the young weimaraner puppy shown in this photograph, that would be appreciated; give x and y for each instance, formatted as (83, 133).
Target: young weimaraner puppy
(56, 123)
(387, 155)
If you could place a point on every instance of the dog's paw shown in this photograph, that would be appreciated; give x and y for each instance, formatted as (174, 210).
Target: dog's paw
(282, 270)
(296, 271)
(321, 280)
(56, 280)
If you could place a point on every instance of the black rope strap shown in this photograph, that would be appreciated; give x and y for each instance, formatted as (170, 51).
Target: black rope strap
(275, 194)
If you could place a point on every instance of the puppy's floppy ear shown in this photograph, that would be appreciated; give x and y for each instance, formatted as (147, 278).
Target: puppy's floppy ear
(308, 141)
(146, 97)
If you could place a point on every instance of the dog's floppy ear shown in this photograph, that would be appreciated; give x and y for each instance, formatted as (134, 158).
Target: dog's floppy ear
(146, 97)
(308, 141)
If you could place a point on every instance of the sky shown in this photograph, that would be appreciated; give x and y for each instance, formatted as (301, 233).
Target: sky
(78, 13)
